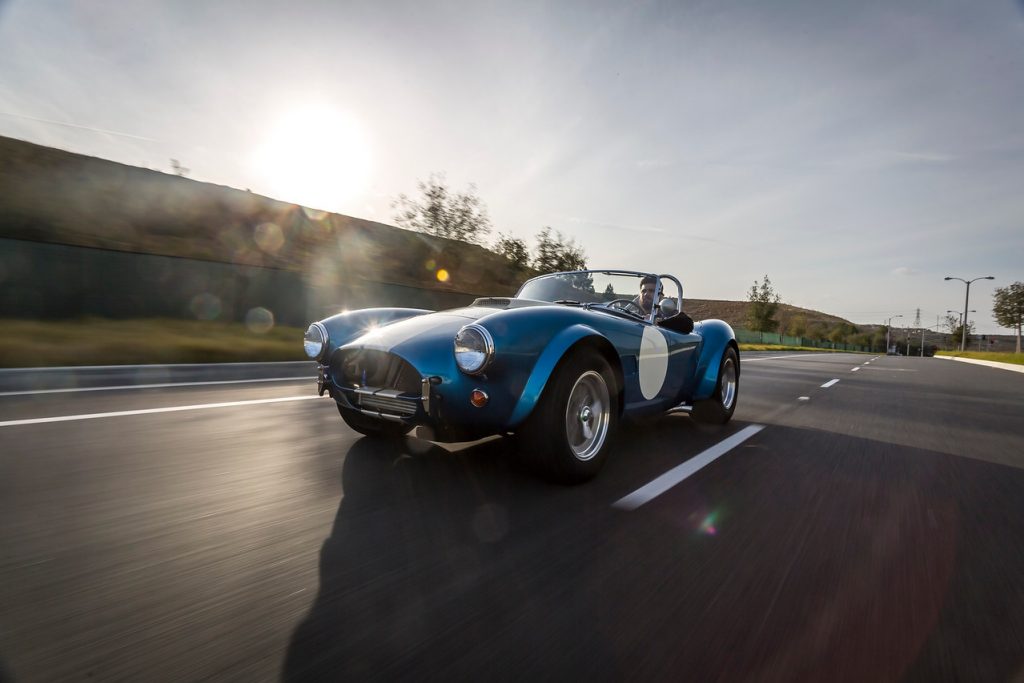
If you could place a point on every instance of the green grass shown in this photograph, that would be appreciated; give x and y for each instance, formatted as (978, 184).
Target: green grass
(1016, 358)
(779, 347)
(94, 341)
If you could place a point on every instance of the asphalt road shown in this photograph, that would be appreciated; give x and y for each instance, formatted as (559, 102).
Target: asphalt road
(872, 530)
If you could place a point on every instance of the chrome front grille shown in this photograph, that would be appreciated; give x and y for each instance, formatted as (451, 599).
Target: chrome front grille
(355, 368)
(386, 401)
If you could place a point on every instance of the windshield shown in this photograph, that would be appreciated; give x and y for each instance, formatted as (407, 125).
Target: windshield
(620, 291)
(593, 286)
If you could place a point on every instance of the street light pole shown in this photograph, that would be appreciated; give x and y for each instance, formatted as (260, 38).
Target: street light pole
(887, 324)
(967, 296)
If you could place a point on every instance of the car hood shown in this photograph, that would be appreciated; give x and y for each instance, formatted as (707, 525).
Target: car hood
(405, 337)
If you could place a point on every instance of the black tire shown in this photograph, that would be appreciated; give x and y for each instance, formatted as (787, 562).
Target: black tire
(719, 408)
(570, 449)
(371, 426)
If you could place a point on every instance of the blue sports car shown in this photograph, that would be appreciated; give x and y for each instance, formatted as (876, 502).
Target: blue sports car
(559, 364)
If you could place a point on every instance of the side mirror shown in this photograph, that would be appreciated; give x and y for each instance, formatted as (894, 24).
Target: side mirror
(668, 307)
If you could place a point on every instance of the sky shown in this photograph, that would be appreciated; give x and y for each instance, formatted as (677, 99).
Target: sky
(855, 152)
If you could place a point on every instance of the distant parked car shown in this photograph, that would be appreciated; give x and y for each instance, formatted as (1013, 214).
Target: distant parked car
(559, 364)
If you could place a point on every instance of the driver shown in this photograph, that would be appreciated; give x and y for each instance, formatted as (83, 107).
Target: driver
(646, 299)
(678, 321)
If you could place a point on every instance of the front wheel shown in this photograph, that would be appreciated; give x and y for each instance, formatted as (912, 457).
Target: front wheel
(719, 408)
(371, 426)
(567, 435)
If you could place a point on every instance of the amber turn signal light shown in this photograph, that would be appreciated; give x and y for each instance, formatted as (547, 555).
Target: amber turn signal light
(478, 398)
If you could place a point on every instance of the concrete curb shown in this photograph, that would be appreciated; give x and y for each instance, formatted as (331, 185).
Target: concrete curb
(990, 363)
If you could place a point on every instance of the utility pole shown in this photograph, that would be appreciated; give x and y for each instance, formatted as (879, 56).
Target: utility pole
(887, 330)
(967, 296)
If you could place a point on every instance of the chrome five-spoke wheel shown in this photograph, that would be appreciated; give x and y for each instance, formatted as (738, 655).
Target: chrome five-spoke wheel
(587, 415)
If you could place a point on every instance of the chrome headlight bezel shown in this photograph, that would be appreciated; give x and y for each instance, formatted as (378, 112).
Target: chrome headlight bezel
(315, 341)
(473, 347)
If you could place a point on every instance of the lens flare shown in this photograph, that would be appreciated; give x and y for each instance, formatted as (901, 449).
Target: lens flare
(205, 306)
(259, 320)
(314, 214)
(708, 525)
(269, 237)
(442, 275)
(430, 264)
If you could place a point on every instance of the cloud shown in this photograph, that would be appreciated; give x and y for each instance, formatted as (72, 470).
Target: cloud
(905, 271)
(924, 157)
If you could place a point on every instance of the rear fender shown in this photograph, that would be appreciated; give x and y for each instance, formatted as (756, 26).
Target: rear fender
(717, 337)
(546, 363)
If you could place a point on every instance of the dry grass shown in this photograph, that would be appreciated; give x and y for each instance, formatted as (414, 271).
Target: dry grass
(98, 341)
(29, 343)
(1015, 358)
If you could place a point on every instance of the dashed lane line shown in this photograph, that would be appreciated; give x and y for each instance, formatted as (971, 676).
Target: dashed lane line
(829, 383)
(677, 474)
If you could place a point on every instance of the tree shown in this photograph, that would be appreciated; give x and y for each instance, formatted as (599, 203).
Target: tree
(764, 302)
(956, 330)
(443, 213)
(514, 249)
(555, 254)
(1008, 307)
(797, 326)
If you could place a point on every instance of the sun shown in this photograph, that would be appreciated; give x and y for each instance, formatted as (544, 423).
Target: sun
(315, 156)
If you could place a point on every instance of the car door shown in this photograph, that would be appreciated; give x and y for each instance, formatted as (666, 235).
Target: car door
(666, 362)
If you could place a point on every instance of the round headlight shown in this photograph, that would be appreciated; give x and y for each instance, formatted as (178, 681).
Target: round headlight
(315, 341)
(473, 349)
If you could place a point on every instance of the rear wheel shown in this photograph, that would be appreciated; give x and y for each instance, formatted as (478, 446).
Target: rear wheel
(719, 408)
(566, 437)
(372, 426)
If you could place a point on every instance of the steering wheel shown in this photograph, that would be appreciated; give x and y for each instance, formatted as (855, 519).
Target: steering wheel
(627, 305)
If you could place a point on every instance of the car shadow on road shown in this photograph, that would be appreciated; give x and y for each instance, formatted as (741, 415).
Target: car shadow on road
(427, 542)
(832, 553)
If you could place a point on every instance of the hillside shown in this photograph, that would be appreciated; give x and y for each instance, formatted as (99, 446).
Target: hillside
(735, 312)
(49, 195)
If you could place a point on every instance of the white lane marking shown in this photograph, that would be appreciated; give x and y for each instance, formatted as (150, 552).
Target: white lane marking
(792, 355)
(153, 386)
(804, 398)
(148, 411)
(650, 491)
(867, 362)
(829, 383)
(854, 369)
(64, 368)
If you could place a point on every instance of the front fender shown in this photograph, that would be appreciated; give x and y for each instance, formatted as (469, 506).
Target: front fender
(542, 369)
(717, 336)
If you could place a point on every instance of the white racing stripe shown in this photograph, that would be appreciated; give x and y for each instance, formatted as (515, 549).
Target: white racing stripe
(122, 387)
(829, 383)
(148, 411)
(677, 474)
